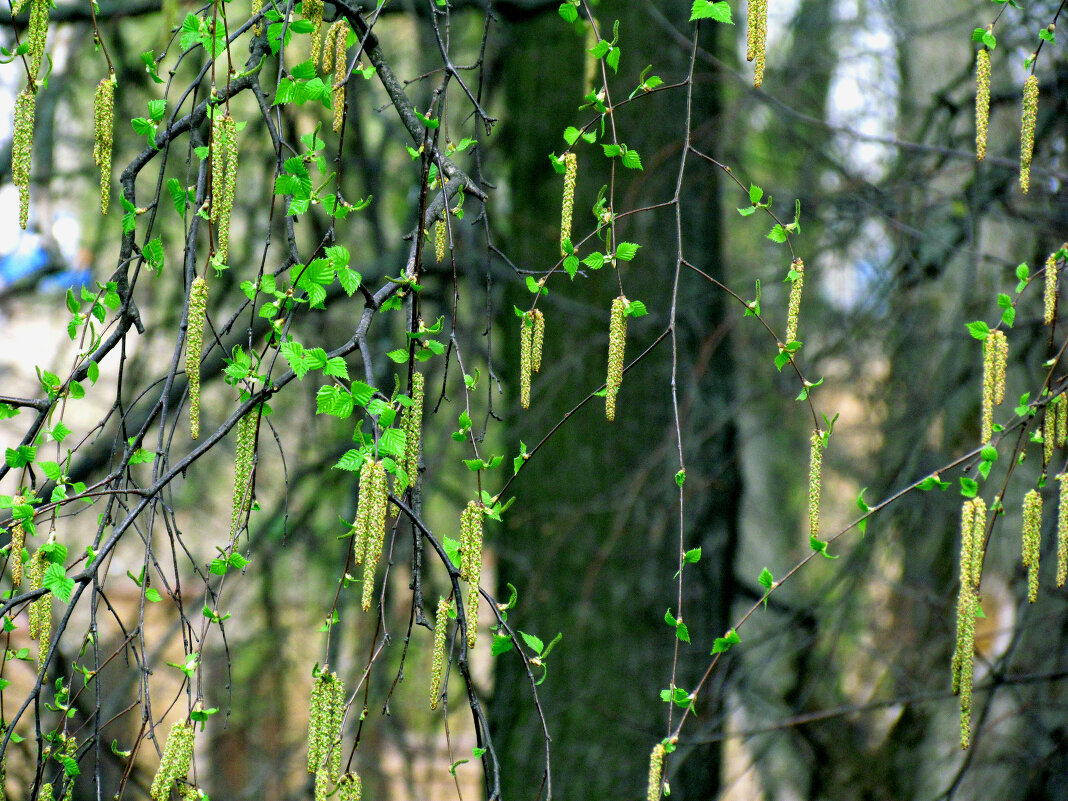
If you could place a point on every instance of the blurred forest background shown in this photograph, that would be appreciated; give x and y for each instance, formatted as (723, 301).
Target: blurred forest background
(840, 688)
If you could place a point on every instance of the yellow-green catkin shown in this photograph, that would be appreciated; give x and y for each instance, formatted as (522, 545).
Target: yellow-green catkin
(177, 756)
(570, 175)
(1049, 296)
(324, 784)
(617, 340)
(257, 6)
(656, 771)
(70, 750)
(223, 181)
(375, 490)
(313, 12)
(41, 609)
(412, 424)
(995, 358)
(37, 35)
(350, 788)
(757, 35)
(537, 340)
(1027, 130)
(22, 150)
(244, 457)
(1060, 403)
(982, 102)
(1032, 540)
(334, 58)
(815, 479)
(471, 563)
(326, 711)
(1054, 427)
(973, 534)
(1062, 530)
(198, 307)
(45, 793)
(439, 241)
(104, 135)
(437, 668)
(18, 542)
(526, 358)
(797, 279)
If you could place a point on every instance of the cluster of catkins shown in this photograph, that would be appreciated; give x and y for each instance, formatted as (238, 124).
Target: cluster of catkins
(177, 756)
(370, 526)
(1028, 116)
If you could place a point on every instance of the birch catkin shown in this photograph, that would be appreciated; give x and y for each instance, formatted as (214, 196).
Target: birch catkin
(376, 492)
(198, 306)
(757, 38)
(326, 711)
(37, 36)
(537, 340)
(313, 12)
(22, 150)
(973, 534)
(526, 358)
(1032, 540)
(797, 273)
(244, 458)
(104, 135)
(412, 423)
(656, 772)
(437, 669)
(982, 102)
(471, 563)
(815, 479)
(617, 340)
(18, 542)
(570, 176)
(177, 756)
(334, 57)
(223, 181)
(1027, 130)
(1049, 295)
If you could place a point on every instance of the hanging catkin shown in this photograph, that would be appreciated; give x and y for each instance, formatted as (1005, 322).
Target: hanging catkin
(371, 513)
(104, 135)
(982, 101)
(1032, 540)
(570, 176)
(334, 57)
(437, 668)
(18, 542)
(471, 563)
(22, 150)
(1049, 295)
(198, 306)
(223, 180)
(617, 340)
(177, 755)
(815, 479)
(1027, 130)
(797, 284)
(757, 38)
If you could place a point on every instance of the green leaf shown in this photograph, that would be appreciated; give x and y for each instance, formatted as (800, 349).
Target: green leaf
(680, 478)
(820, 547)
(969, 487)
(571, 265)
(625, 251)
(56, 580)
(452, 550)
(692, 556)
(334, 400)
(979, 330)
(777, 234)
(351, 460)
(567, 12)
(932, 482)
(723, 644)
(501, 644)
(755, 193)
(533, 643)
(21, 456)
(766, 579)
(635, 308)
(152, 594)
(706, 9)
(682, 632)
(632, 160)
(392, 443)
